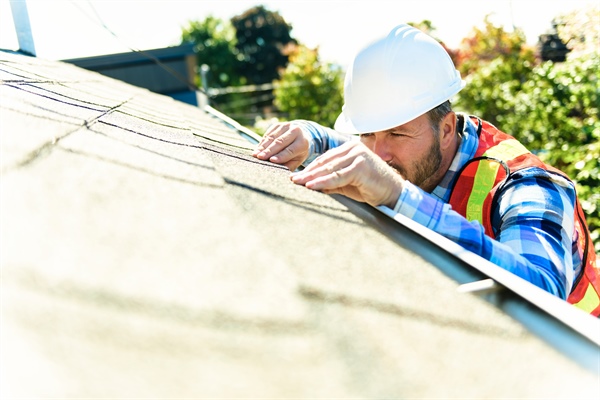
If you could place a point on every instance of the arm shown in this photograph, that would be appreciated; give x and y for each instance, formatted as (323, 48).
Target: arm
(533, 218)
(534, 222)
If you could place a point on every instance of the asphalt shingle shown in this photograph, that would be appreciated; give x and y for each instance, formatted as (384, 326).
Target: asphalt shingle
(145, 253)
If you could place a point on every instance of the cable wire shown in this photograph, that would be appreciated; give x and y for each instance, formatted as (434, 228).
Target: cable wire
(98, 19)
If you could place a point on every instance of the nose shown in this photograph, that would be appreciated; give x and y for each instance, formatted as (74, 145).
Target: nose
(380, 146)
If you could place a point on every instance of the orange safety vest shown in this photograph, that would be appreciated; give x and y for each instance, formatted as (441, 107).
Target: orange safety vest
(477, 183)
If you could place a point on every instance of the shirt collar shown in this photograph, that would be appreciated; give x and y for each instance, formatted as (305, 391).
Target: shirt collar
(468, 143)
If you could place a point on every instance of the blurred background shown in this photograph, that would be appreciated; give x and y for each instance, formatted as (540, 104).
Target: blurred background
(532, 67)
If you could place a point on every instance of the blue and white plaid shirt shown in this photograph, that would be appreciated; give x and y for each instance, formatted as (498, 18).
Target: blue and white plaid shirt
(534, 216)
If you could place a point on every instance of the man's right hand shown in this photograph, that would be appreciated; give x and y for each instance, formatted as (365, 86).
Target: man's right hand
(284, 143)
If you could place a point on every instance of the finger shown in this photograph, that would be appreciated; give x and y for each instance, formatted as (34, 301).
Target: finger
(293, 165)
(270, 135)
(276, 142)
(263, 144)
(327, 183)
(357, 181)
(292, 152)
(322, 172)
(330, 157)
(334, 182)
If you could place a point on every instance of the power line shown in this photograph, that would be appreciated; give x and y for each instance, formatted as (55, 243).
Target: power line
(209, 92)
(248, 102)
(175, 74)
(250, 88)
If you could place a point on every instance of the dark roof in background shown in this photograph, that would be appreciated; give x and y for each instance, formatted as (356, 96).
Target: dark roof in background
(170, 71)
(145, 253)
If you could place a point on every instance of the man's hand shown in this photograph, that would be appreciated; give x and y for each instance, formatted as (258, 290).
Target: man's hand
(354, 171)
(284, 143)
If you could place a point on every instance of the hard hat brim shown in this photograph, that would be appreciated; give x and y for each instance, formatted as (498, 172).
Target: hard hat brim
(344, 124)
(396, 79)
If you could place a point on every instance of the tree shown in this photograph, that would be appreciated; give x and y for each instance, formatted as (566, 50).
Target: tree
(249, 49)
(496, 64)
(558, 111)
(214, 44)
(310, 89)
(491, 43)
(262, 37)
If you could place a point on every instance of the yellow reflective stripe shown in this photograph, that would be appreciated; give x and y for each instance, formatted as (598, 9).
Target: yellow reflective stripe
(590, 300)
(486, 175)
(506, 150)
(482, 184)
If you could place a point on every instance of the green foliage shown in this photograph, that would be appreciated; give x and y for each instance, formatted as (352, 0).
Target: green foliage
(251, 49)
(309, 89)
(491, 91)
(553, 108)
(262, 37)
(562, 105)
(496, 66)
(214, 44)
(489, 44)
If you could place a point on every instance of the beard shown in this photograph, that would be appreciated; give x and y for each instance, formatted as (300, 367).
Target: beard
(420, 172)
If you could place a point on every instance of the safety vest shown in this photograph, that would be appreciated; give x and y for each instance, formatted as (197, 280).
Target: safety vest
(478, 181)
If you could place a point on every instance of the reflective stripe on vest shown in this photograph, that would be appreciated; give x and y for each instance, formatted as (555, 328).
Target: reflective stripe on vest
(590, 300)
(485, 176)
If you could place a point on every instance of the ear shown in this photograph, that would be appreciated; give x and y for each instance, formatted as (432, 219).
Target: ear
(448, 130)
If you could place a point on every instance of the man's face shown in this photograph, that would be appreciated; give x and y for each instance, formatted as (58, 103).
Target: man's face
(412, 149)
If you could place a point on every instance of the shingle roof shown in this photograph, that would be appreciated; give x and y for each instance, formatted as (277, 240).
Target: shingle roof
(145, 253)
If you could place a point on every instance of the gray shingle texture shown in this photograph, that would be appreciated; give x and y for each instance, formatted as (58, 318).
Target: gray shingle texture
(145, 253)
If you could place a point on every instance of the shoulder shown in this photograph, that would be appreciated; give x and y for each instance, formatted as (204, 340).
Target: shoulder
(541, 176)
(537, 188)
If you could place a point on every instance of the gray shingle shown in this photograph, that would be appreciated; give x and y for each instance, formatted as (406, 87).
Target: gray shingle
(145, 253)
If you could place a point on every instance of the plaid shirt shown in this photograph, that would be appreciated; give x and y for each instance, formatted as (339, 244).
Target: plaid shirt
(533, 215)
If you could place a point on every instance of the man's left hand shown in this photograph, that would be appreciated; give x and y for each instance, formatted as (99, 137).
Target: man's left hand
(354, 171)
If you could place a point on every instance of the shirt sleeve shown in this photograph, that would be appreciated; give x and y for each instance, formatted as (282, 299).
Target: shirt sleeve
(534, 221)
(323, 138)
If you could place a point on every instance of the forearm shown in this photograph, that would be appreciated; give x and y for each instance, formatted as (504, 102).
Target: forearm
(323, 138)
(549, 271)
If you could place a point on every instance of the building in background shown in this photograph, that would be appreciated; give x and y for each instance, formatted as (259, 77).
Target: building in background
(170, 71)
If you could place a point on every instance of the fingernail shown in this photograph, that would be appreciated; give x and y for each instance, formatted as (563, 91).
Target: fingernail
(296, 178)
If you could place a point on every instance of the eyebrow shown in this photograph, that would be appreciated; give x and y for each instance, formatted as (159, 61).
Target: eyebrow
(397, 129)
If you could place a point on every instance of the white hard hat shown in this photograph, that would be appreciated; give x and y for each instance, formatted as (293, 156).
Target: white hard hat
(394, 80)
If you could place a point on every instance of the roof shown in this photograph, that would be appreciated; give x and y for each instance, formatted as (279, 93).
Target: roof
(145, 253)
(169, 71)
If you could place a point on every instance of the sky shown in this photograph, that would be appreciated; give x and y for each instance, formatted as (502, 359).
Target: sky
(65, 29)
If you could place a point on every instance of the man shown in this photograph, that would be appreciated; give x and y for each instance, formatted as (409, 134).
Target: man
(455, 174)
